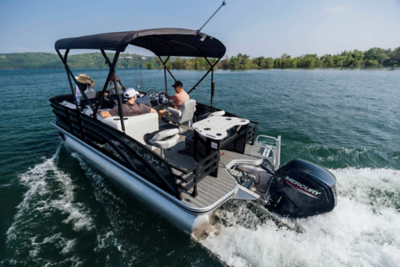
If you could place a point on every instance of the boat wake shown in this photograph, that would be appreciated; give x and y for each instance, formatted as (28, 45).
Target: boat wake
(45, 218)
(361, 231)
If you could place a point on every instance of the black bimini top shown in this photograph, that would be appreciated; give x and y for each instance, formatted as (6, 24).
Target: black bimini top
(162, 42)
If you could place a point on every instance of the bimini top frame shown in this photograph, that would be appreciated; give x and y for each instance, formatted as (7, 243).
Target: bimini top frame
(162, 42)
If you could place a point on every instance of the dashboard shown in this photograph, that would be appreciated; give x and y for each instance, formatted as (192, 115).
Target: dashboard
(153, 99)
(153, 95)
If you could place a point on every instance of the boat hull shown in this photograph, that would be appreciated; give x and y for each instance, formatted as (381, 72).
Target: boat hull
(194, 223)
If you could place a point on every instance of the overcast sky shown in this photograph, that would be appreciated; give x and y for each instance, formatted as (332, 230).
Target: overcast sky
(254, 27)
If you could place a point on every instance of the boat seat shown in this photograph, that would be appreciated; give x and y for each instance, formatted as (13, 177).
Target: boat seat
(135, 126)
(91, 95)
(163, 139)
(184, 114)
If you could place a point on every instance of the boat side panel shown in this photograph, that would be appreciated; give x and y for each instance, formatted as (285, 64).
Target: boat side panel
(192, 223)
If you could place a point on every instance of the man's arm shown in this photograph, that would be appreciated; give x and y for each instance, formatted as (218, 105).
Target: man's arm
(153, 110)
(167, 96)
(173, 99)
(104, 114)
(109, 113)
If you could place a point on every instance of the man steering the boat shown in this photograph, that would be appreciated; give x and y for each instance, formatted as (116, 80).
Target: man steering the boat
(130, 108)
(177, 99)
(180, 96)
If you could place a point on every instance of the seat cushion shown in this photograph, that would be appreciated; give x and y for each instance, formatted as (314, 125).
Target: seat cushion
(187, 110)
(135, 126)
(162, 139)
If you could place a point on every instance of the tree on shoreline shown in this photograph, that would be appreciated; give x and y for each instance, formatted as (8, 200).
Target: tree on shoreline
(372, 58)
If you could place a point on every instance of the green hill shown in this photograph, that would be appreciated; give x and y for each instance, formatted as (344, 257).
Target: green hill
(81, 61)
(372, 58)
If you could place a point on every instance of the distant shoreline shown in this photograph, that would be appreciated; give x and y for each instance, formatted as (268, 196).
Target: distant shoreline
(222, 70)
(361, 68)
(374, 58)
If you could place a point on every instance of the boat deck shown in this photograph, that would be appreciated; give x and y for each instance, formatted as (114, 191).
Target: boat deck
(210, 189)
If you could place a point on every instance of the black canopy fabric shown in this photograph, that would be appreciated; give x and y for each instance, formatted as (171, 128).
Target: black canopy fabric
(162, 42)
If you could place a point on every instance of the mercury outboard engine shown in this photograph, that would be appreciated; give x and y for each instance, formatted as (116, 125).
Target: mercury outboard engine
(300, 189)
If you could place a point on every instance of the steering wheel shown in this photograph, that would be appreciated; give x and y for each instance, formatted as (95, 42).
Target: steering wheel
(162, 98)
(152, 95)
(148, 98)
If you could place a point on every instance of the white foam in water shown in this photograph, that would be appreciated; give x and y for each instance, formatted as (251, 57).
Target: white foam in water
(104, 240)
(41, 198)
(38, 185)
(363, 230)
(77, 215)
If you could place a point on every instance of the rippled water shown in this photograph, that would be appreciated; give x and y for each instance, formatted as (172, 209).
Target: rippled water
(56, 211)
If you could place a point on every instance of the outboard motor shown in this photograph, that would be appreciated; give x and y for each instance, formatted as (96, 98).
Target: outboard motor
(300, 189)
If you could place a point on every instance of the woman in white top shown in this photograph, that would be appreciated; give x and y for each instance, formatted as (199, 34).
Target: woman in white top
(118, 85)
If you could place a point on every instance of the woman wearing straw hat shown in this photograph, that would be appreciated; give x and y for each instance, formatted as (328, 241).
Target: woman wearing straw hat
(84, 79)
(84, 84)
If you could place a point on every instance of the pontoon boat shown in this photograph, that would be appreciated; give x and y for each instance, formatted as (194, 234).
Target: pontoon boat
(222, 158)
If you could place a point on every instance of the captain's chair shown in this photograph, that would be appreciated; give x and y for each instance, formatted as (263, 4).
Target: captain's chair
(184, 114)
(164, 140)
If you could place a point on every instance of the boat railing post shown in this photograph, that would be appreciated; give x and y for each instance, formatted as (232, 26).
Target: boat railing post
(165, 80)
(278, 153)
(76, 82)
(64, 61)
(120, 109)
(165, 71)
(70, 75)
(205, 75)
(110, 73)
(195, 179)
(212, 86)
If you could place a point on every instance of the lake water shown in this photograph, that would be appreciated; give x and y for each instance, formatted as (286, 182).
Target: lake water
(57, 211)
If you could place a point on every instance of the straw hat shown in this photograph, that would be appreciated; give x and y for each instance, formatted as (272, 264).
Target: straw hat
(83, 78)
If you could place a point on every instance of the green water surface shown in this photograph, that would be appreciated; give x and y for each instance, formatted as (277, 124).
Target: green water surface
(56, 211)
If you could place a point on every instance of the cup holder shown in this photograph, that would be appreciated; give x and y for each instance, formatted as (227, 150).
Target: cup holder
(228, 119)
(207, 129)
(218, 134)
